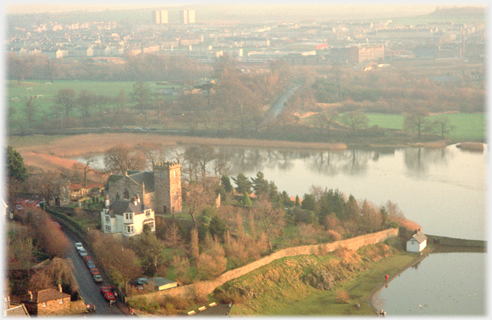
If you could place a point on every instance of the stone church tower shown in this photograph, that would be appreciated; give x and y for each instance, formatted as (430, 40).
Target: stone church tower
(167, 187)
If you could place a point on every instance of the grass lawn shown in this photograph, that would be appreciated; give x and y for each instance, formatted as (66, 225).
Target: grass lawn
(467, 126)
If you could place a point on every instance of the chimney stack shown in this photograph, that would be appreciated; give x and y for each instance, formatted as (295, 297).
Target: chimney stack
(60, 287)
(30, 295)
(106, 202)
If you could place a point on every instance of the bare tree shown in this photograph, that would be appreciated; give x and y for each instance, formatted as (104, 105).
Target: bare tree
(122, 158)
(84, 168)
(270, 219)
(355, 120)
(197, 198)
(173, 238)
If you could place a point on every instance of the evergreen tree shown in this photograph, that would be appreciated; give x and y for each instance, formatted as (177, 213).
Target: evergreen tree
(260, 185)
(298, 202)
(217, 226)
(243, 184)
(15, 166)
(226, 182)
(246, 201)
(309, 202)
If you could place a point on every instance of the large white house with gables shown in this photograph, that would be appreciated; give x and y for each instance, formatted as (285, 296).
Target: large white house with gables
(126, 218)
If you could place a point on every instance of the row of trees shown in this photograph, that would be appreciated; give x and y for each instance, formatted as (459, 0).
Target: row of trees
(145, 67)
(397, 90)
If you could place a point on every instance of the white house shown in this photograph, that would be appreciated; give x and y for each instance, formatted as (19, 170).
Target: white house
(126, 218)
(417, 242)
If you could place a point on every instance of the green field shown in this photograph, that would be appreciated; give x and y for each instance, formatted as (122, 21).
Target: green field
(49, 90)
(467, 126)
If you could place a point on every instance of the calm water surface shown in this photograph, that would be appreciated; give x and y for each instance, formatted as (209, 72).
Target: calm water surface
(442, 284)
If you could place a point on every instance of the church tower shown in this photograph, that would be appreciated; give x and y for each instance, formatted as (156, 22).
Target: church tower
(167, 187)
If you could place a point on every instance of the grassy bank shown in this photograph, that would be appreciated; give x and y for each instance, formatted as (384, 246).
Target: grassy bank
(315, 285)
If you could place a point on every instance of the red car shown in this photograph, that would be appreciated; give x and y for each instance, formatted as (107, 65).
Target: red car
(94, 271)
(107, 294)
(87, 258)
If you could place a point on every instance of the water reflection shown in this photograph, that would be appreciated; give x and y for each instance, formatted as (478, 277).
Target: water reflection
(418, 160)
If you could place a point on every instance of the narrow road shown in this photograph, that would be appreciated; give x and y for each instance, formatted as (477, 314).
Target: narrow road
(278, 105)
(89, 289)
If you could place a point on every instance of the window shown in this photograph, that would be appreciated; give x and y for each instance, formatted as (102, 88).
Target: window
(60, 301)
(117, 195)
(108, 219)
(44, 304)
(129, 229)
(128, 216)
(107, 228)
(147, 213)
(127, 194)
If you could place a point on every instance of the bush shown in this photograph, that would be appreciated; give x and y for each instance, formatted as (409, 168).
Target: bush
(342, 296)
(333, 235)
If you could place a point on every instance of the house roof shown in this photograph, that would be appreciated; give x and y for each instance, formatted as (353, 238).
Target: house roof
(160, 281)
(48, 295)
(420, 237)
(17, 311)
(119, 207)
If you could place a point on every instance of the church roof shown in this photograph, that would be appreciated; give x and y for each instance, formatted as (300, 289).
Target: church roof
(143, 177)
(139, 177)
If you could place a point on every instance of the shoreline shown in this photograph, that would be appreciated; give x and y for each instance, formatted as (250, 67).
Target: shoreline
(394, 275)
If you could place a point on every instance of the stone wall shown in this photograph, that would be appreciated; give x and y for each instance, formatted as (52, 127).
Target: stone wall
(351, 244)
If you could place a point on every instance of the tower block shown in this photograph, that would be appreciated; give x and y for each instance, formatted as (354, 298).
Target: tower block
(167, 182)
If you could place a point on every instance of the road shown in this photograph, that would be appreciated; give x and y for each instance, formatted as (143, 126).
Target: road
(88, 289)
(278, 105)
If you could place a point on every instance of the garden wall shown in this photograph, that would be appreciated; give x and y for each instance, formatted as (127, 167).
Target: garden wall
(209, 286)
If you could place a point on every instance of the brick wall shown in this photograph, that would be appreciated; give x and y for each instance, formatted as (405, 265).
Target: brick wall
(351, 244)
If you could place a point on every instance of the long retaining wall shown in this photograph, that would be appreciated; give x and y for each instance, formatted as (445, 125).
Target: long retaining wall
(208, 287)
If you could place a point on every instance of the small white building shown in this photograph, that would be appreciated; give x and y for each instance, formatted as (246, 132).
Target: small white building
(127, 217)
(417, 242)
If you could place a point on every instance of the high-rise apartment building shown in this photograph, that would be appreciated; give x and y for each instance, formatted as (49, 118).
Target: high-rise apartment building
(187, 16)
(191, 16)
(160, 17)
(184, 16)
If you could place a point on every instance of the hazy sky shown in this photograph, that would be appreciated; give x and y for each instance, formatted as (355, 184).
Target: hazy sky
(370, 7)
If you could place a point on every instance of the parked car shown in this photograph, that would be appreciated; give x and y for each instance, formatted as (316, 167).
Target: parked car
(107, 294)
(97, 278)
(141, 281)
(94, 271)
(78, 245)
(82, 252)
(87, 258)
(90, 264)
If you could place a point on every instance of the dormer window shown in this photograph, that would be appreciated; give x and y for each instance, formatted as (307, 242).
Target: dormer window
(147, 213)
(128, 216)
(127, 194)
